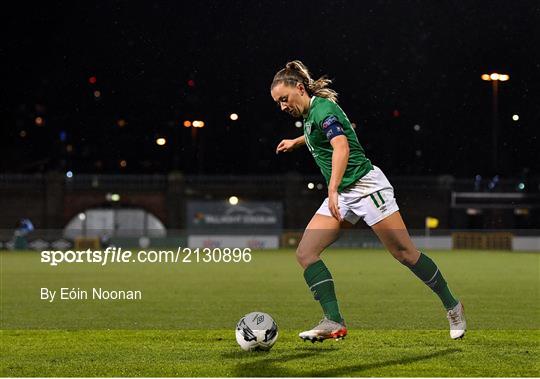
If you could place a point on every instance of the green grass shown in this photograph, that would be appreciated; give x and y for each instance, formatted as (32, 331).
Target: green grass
(214, 353)
(184, 326)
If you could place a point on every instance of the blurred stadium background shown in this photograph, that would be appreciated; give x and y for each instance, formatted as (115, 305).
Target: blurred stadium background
(122, 121)
(258, 211)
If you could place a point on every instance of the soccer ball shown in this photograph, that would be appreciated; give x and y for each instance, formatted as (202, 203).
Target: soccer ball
(256, 331)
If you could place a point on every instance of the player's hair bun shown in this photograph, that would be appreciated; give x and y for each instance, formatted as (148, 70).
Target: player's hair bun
(298, 66)
(296, 72)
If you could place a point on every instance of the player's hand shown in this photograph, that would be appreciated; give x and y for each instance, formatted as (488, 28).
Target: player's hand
(333, 205)
(285, 146)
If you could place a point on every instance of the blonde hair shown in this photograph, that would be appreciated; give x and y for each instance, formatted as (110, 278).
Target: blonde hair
(296, 72)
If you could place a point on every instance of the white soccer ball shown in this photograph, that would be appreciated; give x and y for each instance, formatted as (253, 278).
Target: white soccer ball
(256, 331)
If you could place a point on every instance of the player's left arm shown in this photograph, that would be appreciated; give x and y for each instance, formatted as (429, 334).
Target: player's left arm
(340, 156)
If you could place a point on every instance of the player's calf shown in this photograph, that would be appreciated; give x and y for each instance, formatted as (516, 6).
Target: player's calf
(405, 256)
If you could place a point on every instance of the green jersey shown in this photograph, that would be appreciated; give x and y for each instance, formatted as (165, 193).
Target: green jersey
(322, 113)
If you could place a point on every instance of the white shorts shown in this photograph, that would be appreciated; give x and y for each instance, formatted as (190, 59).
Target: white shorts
(371, 198)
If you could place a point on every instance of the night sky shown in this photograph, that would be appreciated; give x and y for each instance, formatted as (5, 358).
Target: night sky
(396, 64)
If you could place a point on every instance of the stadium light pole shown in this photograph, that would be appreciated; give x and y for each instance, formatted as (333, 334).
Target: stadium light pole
(197, 142)
(495, 78)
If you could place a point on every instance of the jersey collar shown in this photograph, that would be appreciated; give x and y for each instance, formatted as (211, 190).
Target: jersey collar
(310, 106)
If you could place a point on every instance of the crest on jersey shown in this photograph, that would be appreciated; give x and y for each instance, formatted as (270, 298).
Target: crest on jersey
(307, 125)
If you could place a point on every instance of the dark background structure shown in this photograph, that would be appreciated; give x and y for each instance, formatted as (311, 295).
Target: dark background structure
(156, 64)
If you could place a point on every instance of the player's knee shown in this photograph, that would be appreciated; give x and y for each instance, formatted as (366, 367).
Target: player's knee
(305, 257)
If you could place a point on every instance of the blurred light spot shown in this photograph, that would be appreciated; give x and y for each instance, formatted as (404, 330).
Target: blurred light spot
(82, 216)
(22, 133)
(310, 185)
(494, 76)
(521, 211)
(298, 124)
(69, 174)
(473, 211)
(121, 123)
(123, 163)
(161, 141)
(112, 197)
(486, 77)
(234, 116)
(515, 117)
(39, 121)
(191, 83)
(97, 94)
(187, 124)
(92, 80)
(521, 186)
(416, 128)
(198, 124)
(319, 186)
(353, 125)
(233, 200)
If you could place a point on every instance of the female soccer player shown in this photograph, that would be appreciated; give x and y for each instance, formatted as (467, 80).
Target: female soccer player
(356, 190)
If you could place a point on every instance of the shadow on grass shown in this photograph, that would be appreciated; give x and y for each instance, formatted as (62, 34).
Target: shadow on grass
(267, 367)
(254, 355)
(270, 357)
(348, 370)
(270, 367)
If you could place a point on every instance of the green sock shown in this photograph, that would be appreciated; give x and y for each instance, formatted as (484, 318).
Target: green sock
(430, 274)
(321, 284)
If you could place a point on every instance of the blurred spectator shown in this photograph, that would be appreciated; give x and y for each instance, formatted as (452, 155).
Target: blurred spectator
(24, 227)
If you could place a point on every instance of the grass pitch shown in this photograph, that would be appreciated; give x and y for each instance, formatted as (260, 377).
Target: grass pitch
(184, 326)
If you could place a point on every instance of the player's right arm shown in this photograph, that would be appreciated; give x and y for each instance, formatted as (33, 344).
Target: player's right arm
(288, 145)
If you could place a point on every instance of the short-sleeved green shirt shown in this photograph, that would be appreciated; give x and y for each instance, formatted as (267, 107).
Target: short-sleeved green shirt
(322, 109)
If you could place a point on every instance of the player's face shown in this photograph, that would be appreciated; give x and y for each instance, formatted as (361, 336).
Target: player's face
(290, 99)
